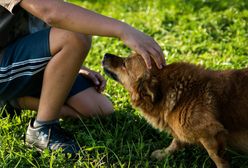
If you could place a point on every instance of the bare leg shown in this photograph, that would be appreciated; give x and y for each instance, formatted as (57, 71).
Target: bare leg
(90, 103)
(79, 105)
(32, 103)
(174, 146)
(68, 50)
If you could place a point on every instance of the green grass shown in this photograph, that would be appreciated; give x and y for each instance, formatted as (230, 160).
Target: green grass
(213, 33)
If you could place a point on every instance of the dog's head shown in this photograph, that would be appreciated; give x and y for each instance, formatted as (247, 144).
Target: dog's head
(133, 74)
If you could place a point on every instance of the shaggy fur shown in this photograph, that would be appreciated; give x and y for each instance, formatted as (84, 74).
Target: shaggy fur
(193, 104)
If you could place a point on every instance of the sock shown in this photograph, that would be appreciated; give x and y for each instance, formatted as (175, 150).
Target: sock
(38, 123)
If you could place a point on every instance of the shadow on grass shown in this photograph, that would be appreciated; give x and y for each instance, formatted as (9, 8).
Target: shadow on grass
(126, 139)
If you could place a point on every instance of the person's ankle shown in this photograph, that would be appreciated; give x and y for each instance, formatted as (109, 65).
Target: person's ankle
(39, 123)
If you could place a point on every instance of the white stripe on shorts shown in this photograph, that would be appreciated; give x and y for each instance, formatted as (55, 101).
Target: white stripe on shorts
(19, 69)
(16, 64)
(12, 72)
(28, 73)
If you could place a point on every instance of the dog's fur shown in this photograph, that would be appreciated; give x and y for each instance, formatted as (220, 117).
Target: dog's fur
(193, 104)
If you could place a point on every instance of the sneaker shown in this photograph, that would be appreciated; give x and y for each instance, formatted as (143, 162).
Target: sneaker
(51, 137)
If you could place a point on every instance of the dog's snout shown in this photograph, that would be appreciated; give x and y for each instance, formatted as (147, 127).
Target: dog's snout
(107, 56)
(112, 60)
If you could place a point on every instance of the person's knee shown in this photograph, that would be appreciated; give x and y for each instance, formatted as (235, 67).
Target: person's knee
(75, 42)
(105, 107)
(83, 42)
(90, 103)
(78, 42)
(101, 106)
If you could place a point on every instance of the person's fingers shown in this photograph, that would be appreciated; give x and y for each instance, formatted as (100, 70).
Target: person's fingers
(98, 80)
(102, 82)
(156, 50)
(144, 45)
(161, 58)
(146, 56)
(103, 85)
(157, 58)
(93, 77)
(161, 54)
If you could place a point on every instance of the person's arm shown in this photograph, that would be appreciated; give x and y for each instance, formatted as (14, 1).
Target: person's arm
(67, 16)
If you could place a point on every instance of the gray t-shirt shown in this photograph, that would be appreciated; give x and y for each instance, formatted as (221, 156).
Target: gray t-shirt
(15, 23)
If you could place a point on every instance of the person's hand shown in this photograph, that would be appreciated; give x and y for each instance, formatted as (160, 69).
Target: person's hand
(96, 78)
(144, 45)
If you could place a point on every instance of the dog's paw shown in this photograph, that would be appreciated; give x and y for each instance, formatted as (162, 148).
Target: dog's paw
(158, 154)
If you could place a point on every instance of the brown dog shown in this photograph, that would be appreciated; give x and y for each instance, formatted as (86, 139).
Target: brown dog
(195, 105)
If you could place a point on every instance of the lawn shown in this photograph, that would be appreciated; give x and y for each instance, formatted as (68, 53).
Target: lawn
(213, 33)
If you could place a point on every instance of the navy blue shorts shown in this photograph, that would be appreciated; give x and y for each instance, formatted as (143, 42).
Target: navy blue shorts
(22, 68)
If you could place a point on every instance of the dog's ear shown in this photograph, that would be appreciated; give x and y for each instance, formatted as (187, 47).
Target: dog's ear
(149, 89)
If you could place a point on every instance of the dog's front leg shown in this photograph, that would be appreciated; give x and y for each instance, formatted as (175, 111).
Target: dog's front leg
(174, 146)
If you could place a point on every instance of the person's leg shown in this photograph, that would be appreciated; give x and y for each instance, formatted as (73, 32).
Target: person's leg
(32, 103)
(53, 56)
(87, 103)
(68, 50)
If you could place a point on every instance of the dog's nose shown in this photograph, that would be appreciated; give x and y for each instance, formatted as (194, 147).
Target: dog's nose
(108, 55)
